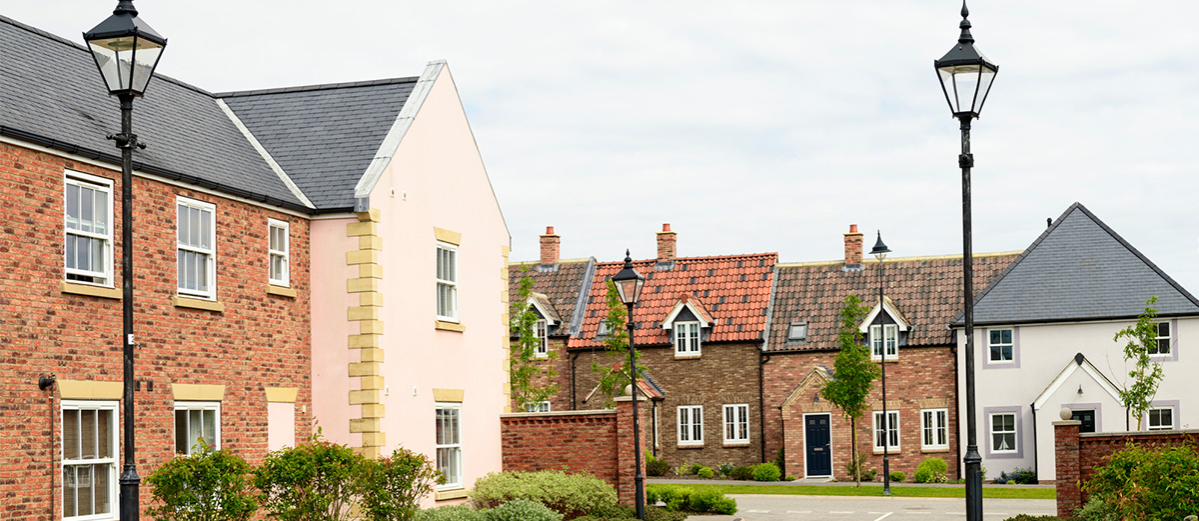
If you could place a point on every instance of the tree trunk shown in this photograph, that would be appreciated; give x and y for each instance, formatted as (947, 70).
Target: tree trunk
(853, 440)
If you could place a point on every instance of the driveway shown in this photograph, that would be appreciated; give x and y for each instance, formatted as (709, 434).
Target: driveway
(753, 507)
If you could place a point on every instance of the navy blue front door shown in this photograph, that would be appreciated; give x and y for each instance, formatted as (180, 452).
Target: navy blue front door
(816, 437)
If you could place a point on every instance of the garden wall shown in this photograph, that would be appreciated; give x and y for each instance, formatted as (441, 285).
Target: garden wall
(595, 442)
(1079, 454)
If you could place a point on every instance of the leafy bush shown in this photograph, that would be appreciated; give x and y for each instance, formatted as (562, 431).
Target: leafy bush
(655, 466)
(898, 476)
(318, 480)
(622, 513)
(702, 501)
(789, 478)
(1023, 476)
(522, 510)
(451, 513)
(682, 498)
(1096, 509)
(681, 469)
(396, 484)
(780, 460)
(205, 486)
(572, 495)
(1152, 483)
(867, 474)
(767, 472)
(932, 470)
(706, 473)
(694, 468)
(743, 473)
(675, 496)
(724, 469)
(1026, 517)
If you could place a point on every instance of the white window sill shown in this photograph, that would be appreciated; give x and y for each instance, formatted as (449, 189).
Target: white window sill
(685, 446)
(933, 450)
(181, 301)
(891, 450)
(442, 495)
(90, 290)
(736, 444)
(449, 326)
(688, 356)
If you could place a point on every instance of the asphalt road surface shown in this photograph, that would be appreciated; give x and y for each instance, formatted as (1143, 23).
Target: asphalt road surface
(827, 508)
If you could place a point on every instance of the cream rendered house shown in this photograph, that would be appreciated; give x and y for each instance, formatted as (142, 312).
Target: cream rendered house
(1044, 341)
(409, 274)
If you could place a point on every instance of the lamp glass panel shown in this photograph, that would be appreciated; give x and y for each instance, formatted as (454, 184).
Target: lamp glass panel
(126, 62)
(629, 290)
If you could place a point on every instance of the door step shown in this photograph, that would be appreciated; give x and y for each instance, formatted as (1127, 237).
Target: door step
(826, 479)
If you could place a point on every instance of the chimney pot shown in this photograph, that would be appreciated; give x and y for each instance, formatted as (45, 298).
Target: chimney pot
(549, 247)
(853, 246)
(666, 244)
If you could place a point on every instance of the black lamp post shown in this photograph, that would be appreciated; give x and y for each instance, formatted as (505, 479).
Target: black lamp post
(628, 284)
(880, 252)
(966, 76)
(126, 51)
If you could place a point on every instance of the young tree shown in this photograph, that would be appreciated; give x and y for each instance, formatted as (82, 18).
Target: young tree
(853, 374)
(615, 374)
(1146, 373)
(526, 369)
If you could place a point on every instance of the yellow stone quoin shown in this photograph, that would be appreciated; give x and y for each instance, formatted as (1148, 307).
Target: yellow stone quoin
(368, 343)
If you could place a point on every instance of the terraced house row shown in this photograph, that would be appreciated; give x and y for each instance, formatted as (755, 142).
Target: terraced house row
(327, 257)
(736, 348)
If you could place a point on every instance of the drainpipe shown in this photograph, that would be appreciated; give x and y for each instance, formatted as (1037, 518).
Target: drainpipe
(762, 359)
(957, 426)
(1036, 465)
(574, 356)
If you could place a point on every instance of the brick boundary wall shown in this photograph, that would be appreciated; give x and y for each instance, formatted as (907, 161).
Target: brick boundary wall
(596, 442)
(1077, 455)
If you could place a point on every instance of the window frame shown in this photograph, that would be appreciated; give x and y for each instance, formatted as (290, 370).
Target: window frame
(681, 340)
(460, 462)
(736, 422)
(893, 430)
(689, 427)
(542, 406)
(114, 451)
(791, 337)
(1156, 350)
(1015, 432)
(285, 253)
(885, 329)
(938, 425)
(215, 407)
(1010, 345)
(541, 331)
(452, 284)
(1158, 409)
(99, 184)
(211, 252)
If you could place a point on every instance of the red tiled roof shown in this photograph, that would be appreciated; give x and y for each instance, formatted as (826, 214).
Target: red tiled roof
(927, 290)
(733, 289)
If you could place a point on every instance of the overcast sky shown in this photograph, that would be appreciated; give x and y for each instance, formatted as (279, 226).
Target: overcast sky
(755, 126)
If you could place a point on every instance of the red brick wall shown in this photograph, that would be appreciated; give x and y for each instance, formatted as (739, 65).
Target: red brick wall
(1078, 455)
(724, 374)
(259, 340)
(561, 365)
(921, 377)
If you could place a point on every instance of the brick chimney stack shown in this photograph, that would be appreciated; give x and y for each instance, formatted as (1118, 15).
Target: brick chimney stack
(666, 244)
(853, 247)
(549, 247)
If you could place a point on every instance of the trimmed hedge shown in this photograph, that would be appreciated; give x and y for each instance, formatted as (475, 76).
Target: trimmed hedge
(572, 495)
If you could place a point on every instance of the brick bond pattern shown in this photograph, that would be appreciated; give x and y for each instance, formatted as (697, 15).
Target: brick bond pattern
(1077, 455)
(259, 340)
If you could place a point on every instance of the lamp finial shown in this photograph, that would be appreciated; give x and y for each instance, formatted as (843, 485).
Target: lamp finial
(966, 37)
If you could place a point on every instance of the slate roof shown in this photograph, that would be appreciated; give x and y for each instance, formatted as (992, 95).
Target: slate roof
(927, 290)
(1079, 269)
(560, 286)
(54, 96)
(734, 289)
(324, 136)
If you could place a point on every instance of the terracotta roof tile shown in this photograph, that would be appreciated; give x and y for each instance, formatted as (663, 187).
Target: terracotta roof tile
(927, 290)
(691, 277)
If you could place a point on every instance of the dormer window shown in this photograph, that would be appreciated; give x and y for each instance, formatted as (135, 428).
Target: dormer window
(887, 334)
(540, 330)
(686, 338)
(886, 328)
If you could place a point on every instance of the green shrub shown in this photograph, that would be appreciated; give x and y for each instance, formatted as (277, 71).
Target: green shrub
(205, 486)
(789, 478)
(724, 469)
(694, 468)
(652, 513)
(1026, 517)
(522, 510)
(655, 466)
(572, 495)
(1148, 483)
(767, 472)
(743, 473)
(1023, 476)
(451, 513)
(675, 496)
(396, 484)
(931, 470)
(724, 505)
(318, 480)
(702, 501)
(706, 473)
(780, 460)
(683, 498)
(898, 476)
(1096, 509)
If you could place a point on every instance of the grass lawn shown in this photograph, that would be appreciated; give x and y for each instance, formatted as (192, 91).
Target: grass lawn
(877, 490)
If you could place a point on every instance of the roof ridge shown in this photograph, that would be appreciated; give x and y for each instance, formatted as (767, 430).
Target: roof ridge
(560, 261)
(321, 86)
(51, 36)
(711, 257)
(900, 259)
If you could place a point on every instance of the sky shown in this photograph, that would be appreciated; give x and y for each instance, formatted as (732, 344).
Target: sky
(755, 126)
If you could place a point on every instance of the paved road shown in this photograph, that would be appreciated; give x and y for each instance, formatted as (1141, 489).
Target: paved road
(827, 508)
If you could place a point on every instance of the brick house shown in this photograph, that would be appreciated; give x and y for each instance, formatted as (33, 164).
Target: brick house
(222, 315)
(261, 222)
(922, 294)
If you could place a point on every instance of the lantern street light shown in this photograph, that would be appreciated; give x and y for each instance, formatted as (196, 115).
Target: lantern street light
(628, 285)
(966, 77)
(880, 252)
(126, 51)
